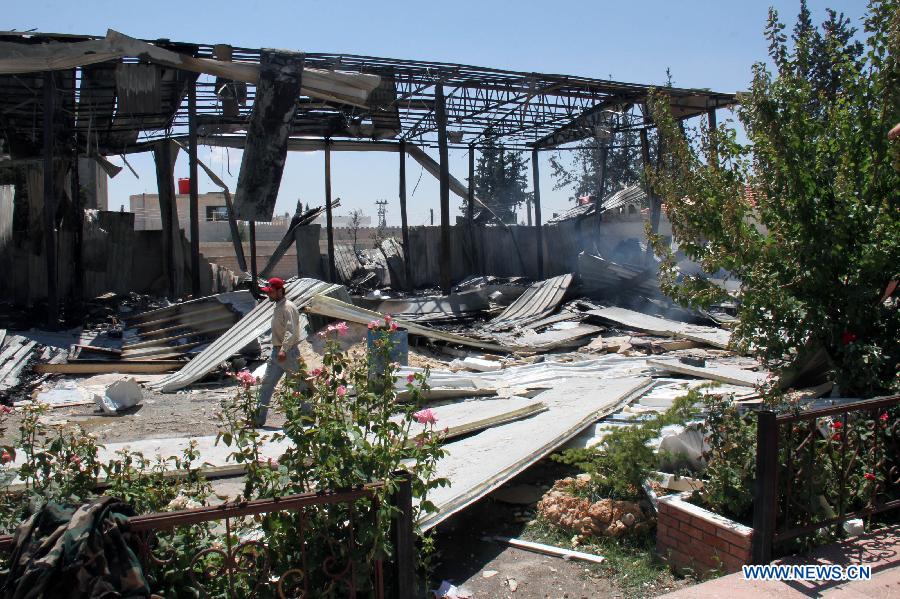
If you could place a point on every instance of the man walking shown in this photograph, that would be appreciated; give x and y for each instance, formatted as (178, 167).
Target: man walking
(285, 339)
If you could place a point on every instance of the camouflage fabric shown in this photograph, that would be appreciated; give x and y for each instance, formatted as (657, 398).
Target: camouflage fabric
(75, 553)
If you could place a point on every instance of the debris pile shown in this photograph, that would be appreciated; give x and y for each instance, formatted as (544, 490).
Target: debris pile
(563, 507)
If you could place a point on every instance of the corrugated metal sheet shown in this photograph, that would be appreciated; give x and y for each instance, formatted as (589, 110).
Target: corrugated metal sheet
(599, 274)
(327, 306)
(664, 327)
(630, 195)
(257, 322)
(477, 465)
(538, 301)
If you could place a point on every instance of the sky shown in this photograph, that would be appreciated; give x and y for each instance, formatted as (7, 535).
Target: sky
(705, 44)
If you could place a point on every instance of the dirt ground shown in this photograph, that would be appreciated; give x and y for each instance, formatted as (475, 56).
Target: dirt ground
(193, 410)
(467, 556)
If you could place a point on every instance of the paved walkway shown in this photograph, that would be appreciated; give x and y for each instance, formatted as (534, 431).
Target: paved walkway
(880, 549)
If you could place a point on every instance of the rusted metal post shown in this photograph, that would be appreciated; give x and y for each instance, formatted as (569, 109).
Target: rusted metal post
(536, 182)
(440, 116)
(403, 538)
(253, 271)
(329, 222)
(50, 204)
(765, 487)
(404, 223)
(194, 200)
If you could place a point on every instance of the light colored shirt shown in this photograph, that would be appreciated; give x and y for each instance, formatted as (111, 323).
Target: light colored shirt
(285, 325)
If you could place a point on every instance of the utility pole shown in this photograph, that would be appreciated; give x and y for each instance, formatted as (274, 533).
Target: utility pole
(432, 217)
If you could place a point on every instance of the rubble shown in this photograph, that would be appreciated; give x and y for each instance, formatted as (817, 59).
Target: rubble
(562, 507)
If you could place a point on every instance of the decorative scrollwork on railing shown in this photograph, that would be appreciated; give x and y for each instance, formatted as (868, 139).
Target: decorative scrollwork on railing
(245, 567)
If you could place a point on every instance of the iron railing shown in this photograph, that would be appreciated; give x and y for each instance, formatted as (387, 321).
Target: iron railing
(229, 560)
(817, 469)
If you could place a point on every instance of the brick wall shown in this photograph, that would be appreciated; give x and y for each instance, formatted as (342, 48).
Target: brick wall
(690, 537)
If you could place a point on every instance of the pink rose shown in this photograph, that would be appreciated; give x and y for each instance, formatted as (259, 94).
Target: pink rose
(425, 416)
(341, 391)
(387, 318)
(5, 457)
(374, 325)
(341, 328)
(317, 372)
(410, 378)
(393, 326)
(245, 378)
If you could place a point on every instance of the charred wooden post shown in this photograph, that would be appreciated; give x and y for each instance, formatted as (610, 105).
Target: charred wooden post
(164, 154)
(655, 204)
(253, 271)
(470, 211)
(329, 222)
(77, 213)
(50, 203)
(536, 181)
(470, 202)
(713, 150)
(194, 201)
(404, 223)
(440, 116)
(602, 191)
(645, 160)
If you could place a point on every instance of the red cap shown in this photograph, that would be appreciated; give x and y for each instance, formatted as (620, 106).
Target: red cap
(274, 283)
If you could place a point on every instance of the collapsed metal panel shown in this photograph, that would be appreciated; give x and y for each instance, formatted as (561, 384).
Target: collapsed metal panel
(251, 326)
(474, 465)
(538, 301)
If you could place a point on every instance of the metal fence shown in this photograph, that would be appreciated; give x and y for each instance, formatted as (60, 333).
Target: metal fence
(232, 556)
(817, 469)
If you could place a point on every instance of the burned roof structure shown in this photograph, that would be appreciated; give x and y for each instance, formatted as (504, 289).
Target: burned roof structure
(64, 97)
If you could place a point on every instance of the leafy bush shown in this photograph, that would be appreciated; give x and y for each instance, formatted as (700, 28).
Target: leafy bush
(730, 466)
(625, 460)
(805, 215)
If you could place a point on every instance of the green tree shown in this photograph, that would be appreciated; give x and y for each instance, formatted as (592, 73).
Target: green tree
(816, 244)
(624, 165)
(501, 180)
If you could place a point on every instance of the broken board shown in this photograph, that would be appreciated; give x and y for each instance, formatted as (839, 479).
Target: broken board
(477, 465)
(663, 327)
(466, 417)
(327, 306)
(110, 366)
(714, 372)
